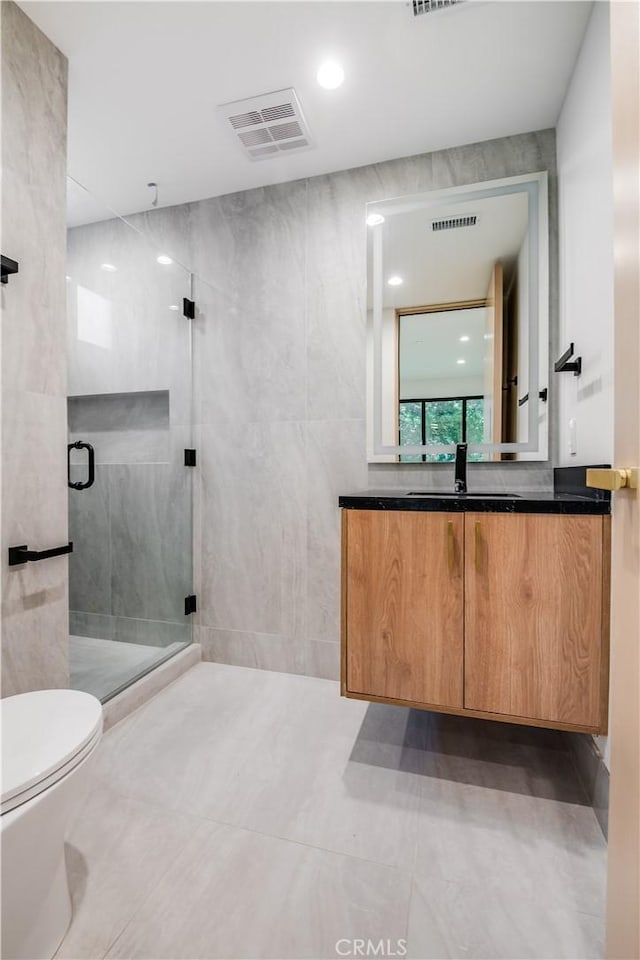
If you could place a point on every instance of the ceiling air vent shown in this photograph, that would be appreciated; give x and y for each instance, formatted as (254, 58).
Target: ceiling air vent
(428, 6)
(452, 223)
(268, 125)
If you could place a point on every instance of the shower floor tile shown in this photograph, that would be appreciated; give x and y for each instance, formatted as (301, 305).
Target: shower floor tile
(100, 666)
(300, 825)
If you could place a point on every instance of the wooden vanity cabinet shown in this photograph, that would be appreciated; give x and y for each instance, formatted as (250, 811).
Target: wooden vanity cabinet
(404, 605)
(495, 615)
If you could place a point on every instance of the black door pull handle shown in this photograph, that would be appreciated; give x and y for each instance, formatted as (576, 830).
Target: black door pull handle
(22, 554)
(91, 467)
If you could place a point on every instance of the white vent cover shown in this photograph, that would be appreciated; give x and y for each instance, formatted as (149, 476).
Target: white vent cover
(428, 6)
(452, 223)
(268, 125)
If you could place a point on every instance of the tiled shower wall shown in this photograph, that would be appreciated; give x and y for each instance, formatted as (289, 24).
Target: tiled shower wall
(280, 392)
(130, 398)
(34, 477)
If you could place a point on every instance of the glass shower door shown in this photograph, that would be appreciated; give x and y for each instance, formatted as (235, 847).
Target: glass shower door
(129, 413)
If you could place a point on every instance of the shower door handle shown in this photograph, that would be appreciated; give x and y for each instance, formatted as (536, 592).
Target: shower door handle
(91, 465)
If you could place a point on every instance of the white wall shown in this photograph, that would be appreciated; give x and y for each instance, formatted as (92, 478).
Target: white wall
(451, 387)
(585, 197)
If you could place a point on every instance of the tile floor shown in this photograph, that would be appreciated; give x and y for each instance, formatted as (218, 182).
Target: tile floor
(101, 666)
(246, 814)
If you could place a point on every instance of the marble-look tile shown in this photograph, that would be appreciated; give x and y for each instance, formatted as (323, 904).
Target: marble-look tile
(124, 446)
(34, 74)
(335, 464)
(34, 491)
(485, 920)
(122, 428)
(113, 868)
(234, 893)
(254, 523)
(144, 410)
(152, 633)
(265, 651)
(299, 785)
(34, 512)
(512, 477)
(516, 759)
(34, 118)
(34, 469)
(83, 624)
(324, 659)
(89, 529)
(543, 849)
(370, 794)
(336, 301)
(252, 354)
(150, 540)
(494, 159)
(35, 624)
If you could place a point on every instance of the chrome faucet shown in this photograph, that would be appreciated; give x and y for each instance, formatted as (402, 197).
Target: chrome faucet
(460, 482)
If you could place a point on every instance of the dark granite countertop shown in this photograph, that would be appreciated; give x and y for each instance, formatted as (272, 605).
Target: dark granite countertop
(571, 496)
(485, 503)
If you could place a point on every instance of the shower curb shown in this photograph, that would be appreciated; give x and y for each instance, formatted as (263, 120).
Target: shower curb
(135, 696)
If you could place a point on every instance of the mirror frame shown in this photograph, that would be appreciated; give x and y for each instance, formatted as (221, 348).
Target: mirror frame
(535, 185)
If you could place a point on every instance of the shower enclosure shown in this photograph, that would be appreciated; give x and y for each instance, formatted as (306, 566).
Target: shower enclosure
(129, 425)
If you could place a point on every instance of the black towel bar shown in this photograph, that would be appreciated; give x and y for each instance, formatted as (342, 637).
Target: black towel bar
(22, 554)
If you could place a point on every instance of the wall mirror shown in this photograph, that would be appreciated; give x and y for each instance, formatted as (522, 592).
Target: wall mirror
(457, 323)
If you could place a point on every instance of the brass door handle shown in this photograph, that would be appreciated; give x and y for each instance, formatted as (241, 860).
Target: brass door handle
(478, 544)
(614, 479)
(451, 546)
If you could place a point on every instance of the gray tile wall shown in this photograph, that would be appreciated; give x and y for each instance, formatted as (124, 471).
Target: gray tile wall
(34, 482)
(279, 352)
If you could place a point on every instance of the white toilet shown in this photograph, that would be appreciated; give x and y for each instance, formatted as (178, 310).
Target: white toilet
(48, 740)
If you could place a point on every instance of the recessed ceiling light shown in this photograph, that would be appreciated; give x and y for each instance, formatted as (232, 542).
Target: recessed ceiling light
(374, 219)
(67, 277)
(395, 281)
(330, 75)
(174, 306)
(109, 267)
(464, 338)
(461, 361)
(164, 260)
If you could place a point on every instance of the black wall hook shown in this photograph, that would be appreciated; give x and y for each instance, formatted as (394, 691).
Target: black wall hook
(563, 365)
(9, 266)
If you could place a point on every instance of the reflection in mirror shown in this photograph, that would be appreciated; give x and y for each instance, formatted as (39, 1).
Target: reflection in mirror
(441, 352)
(457, 325)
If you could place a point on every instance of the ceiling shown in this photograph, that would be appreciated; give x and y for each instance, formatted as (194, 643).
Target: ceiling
(430, 348)
(145, 79)
(449, 265)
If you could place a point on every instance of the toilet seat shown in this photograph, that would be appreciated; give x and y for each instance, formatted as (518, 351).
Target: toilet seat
(45, 735)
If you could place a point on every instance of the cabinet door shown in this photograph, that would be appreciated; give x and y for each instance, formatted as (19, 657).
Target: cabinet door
(533, 616)
(404, 605)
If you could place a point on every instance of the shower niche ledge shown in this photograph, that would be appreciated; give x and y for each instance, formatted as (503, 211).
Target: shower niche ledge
(123, 427)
